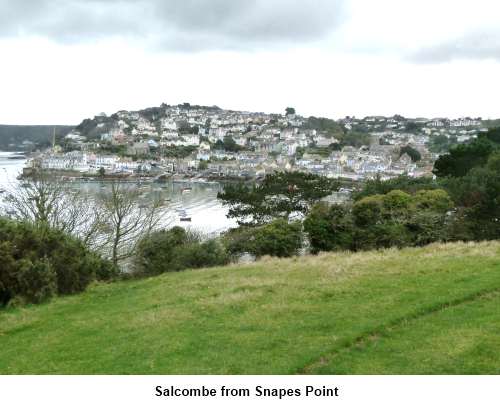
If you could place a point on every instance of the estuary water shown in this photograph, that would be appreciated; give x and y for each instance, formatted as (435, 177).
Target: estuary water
(195, 200)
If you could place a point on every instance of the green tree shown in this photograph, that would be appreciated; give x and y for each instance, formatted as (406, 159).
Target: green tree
(462, 158)
(174, 250)
(477, 196)
(278, 196)
(330, 228)
(278, 238)
(412, 152)
(355, 139)
(404, 183)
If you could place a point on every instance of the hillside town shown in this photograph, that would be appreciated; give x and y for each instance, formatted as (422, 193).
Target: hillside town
(185, 141)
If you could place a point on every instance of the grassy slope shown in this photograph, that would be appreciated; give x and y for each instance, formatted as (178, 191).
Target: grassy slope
(413, 311)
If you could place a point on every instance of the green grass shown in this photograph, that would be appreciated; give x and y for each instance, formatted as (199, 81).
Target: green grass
(414, 311)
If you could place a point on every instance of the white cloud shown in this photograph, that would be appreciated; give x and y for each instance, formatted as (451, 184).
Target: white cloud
(414, 58)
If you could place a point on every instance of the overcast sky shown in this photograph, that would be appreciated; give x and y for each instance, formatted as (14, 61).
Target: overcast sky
(65, 60)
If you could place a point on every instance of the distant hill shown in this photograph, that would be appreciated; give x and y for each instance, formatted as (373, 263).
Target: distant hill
(93, 128)
(431, 310)
(13, 136)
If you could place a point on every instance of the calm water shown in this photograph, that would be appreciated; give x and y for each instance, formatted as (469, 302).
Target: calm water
(201, 204)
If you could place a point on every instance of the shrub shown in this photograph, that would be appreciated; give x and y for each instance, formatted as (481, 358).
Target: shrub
(368, 210)
(38, 262)
(36, 282)
(435, 200)
(174, 250)
(207, 254)
(380, 221)
(330, 228)
(279, 238)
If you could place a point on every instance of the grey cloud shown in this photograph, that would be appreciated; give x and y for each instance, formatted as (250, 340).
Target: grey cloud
(475, 46)
(175, 24)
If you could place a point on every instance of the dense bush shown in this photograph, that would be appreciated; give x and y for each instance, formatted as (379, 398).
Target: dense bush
(404, 183)
(278, 238)
(174, 250)
(330, 228)
(380, 221)
(38, 262)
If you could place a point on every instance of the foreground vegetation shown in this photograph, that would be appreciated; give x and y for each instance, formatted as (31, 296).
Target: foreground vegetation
(416, 310)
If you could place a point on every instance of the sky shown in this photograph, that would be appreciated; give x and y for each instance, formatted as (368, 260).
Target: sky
(62, 61)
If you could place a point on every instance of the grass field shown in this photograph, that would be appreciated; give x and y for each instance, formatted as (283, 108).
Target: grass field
(415, 311)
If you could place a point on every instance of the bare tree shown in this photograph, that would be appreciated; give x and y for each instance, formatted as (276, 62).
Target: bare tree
(126, 219)
(45, 201)
(111, 222)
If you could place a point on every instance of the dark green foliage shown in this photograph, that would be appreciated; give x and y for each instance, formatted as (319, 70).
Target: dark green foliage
(278, 238)
(153, 113)
(330, 228)
(493, 135)
(186, 129)
(477, 195)
(412, 152)
(175, 250)
(354, 138)
(405, 183)
(40, 135)
(441, 143)
(413, 127)
(36, 282)
(278, 196)
(290, 111)
(327, 125)
(38, 262)
(318, 150)
(229, 144)
(462, 158)
(180, 152)
(395, 219)
(209, 253)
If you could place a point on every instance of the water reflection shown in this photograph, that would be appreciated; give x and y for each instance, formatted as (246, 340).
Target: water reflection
(197, 201)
